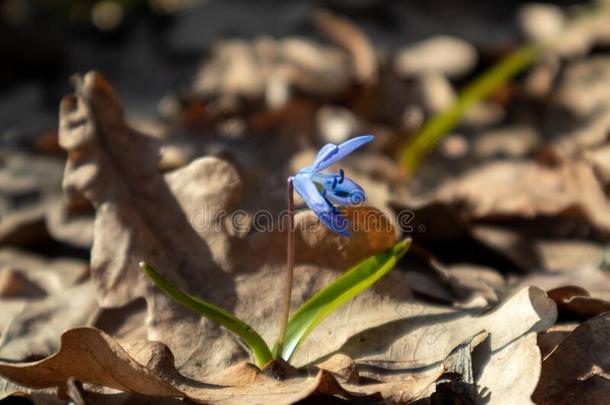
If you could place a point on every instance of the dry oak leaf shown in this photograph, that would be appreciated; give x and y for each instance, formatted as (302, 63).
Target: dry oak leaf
(271, 68)
(26, 182)
(528, 190)
(175, 222)
(577, 370)
(396, 388)
(147, 368)
(428, 334)
(592, 278)
(553, 336)
(576, 303)
(91, 356)
(511, 374)
(40, 298)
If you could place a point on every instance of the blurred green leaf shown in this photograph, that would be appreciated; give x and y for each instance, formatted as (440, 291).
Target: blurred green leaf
(253, 340)
(331, 297)
(438, 126)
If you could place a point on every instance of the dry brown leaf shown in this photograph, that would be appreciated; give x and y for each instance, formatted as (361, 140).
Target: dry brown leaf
(568, 37)
(593, 133)
(577, 370)
(63, 298)
(569, 255)
(511, 374)
(553, 336)
(31, 207)
(70, 223)
(510, 244)
(89, 355)
(49, 275)
(599, 158)
(33, 332)
(400, 387)
(591, 278)
(30, 325)
(14, 284)
(584, 87)
(511, 142)
(269, 68)
(348, 35)
(426, 334)
(26, 181)
(529, 190)
(449, 56)
(575, 302)
(470, 280)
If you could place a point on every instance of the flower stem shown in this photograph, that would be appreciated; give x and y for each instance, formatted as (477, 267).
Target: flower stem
(289, 269)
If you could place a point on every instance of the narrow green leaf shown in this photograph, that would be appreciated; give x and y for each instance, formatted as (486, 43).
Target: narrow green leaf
(255, 343)
(340, 291)
(437, 127)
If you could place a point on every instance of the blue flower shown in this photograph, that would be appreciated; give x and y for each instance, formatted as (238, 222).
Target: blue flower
(323, 191)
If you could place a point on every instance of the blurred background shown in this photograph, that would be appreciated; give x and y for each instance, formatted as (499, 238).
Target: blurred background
(149, 48)
(283, 76)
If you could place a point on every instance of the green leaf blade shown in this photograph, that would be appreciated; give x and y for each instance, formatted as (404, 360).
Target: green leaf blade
(253, 340)
(339, 292)
(438, 126)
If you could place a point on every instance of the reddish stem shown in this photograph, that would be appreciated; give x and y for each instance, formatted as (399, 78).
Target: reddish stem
(289, 268)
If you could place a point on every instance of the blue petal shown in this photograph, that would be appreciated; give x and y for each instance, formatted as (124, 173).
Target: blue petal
(323, 209)
(339, 189)
(312, 197)
(331, 153)
(336, 223)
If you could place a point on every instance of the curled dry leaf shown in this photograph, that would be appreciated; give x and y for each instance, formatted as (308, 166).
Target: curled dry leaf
(26, 181)
(49, 275)
(33, 331)
(90, 356)
(470, 280)
(599, 158)
(40, 298)
(510, 375)
(568, 255)
(576, 371)
(592, 134)
(348, 35)
(529, 190)
(449, 56)
(575, 302)
(553, 336)
(591, 278)
(71, 223)
(33, 212)
(427, 334)
(269, 68)
(584, 89)
(540, 22)
(147, 368)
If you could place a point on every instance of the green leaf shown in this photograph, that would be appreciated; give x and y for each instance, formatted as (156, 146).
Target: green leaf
(438, 126)
(340, 291)
(255, 343)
